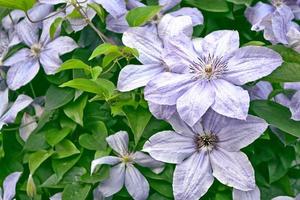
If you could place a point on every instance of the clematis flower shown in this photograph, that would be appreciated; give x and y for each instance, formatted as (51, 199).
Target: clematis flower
(25, 63)
(210, 148)
(123, 170)
(77, 23)
(4, 45)
(293, 38)
(246, 195)
(57, 196)
(9, 112)
(287, 198)
(9, 186)
(118, 9)
(207, 73)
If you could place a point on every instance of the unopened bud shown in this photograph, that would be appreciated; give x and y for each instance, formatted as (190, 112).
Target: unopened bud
(31, 188)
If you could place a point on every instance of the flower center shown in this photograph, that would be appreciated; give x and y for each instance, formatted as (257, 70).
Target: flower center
(36, 50)
(209, 67)
(207, 141)
(277, 3)
(127, 159)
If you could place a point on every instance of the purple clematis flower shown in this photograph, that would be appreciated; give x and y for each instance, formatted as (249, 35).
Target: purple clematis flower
(77, 24)
(118, 9)
(8, 112)
(287, 198)
(9, 186)
(210, 148)
(293, 38)
(25, 63)
(246, 195)
(4, 45)
(207, 73)
(123, 170)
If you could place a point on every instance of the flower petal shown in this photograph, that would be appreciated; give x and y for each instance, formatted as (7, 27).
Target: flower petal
(161, 111)
(19, 56)
(62, 45)
(169, 146)
(180, 126)
(194, 13)
(230, 100)
(22, 73)
(147, 161)
(52, 2)
(136, 184)
(246, 195)
(284, 198)
(168, 4)
(117, 25)
(146, 41)
(114, 7)
(192, 105)
(250, 64)
(260, 91)
(28, 124)
(28, 32)
(135, 76)
(167, 88)
(4, 101)
(13, 18)
(295, 106)
(108, 160)
(50, 61)
(9, 185)
(119, 142)
(193, 177)
(232, 169)
(115, 181)
(57, 196)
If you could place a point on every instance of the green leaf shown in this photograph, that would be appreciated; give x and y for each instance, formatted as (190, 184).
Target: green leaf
(92, 141)
(54, 135)
(75, 109)
(110, 58)
(245, 2)
(276, 115)
(76, 191)
(55, 25)
(74, 64)
(57, 97)
(99, 10)
(95, 72)
(17, 4)
(65, 149)
(85, 85)
(289, 71)
(105, 48)
(138, 120)
(61, 166)
(140, 15)
(37, 158)
(209, 5)
(162, 187)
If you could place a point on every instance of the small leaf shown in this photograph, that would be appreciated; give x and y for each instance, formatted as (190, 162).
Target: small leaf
(54, 136)
(105, 49)
(209, 5)
(85, 85)
(76, 191)
(57, 97)
(65, 149)
(92, 142)
(140, 15)
(37, 158)
(61, 166)
(74, 64)
(55, 25)
(75, 109)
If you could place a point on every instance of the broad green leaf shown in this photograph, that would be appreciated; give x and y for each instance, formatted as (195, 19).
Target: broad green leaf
(101, 175)
(57, 97)
(17, 4)
(289, 71)
(137, 120)
(75, 109)
(209, 5)
(76, 191)
(245, 2)
(35, 142)
(55, 25)
(109, 58)
(61, 166)
(161, 187)
(65, 149)
(105, 48)
(140, 15)
(276, 115)
(74, 64)
(95, 72)
(54, 135)
(85, 85)
(92, 141)
(37, 158)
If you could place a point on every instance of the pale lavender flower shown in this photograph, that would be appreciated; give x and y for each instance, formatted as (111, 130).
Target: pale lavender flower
(287, 198)
(293, 38)
(77, 24)
(4, 45)
(123, 170)
(207, 73)
(9, 186)
(9, 111)
(260, 91)
(25, 64)
(57, 196)
(246, 195)
(210, 148)
(118, 9)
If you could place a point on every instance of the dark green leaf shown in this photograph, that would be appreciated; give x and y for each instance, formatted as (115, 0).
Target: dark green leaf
(37, 158)
(76, 191)
(75, 109)
(209, 5)
(57, 97)
(55, 135)
(65, 149)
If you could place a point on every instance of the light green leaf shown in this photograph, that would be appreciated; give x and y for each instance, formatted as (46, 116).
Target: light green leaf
(140, 15)
(17, 4)
(75, 109)
(65, 149)
(74, 64)
(37, 158)
(109, 58)
(55, 25)
(105, 48)
(57, 97)
(61, 166)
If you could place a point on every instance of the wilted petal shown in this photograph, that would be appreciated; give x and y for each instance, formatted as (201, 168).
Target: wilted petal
(115, 181)
(21, 102)
(135, 183)
(119, 142)
(295, 106)
(230, 100)
(22, 73)
(9, 185)
(168, 4)
(62, 45)
(246, 195)
(147, 161)
(57, 196)
(257, 13)
(167, 88)
(19, 56)
(232, 169)
(193, 177)
(192, 105)
(28, 124)
(218, 43)
(180, 126)
(107, 160)
(114, 7)
(135, 76)
(250, 64)
(117, 25)
(28, 32)
(194, 13)
(161, 111)
(50, 61)
(146, 41)
(169, 146)
(4, 101)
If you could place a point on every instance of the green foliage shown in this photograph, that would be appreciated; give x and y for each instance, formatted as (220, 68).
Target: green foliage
(140, 15)
(17, 4)
(208, 5)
